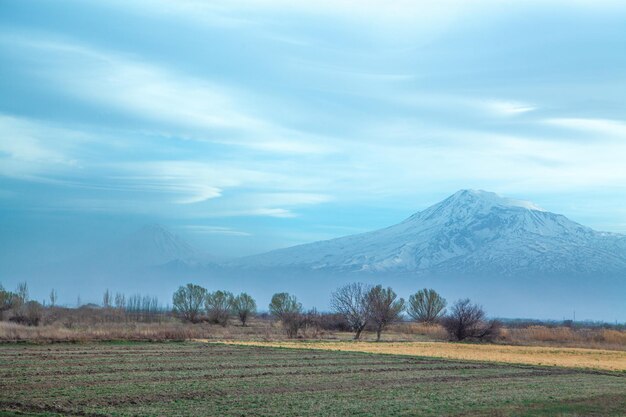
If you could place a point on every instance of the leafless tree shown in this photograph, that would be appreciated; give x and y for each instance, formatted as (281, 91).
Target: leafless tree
(53, 297)
(351, 302)
(426, 306)
(385, 308)
(22, 292)
(468, 321)
(244, 307)
(120, 301)
(311, 323)
(218, 306)
(107, 299)
(288, 310)
(188, 302)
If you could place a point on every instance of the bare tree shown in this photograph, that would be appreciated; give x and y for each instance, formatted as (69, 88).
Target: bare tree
(351, 302)
(311, 322)
(385, 308)
(53, 297)
(120, 301)
(244, 307)
(218, 306)
(468, 321)
(107, 299)
(426, 306)
(188, 302)
(288, 310)
(22, 292)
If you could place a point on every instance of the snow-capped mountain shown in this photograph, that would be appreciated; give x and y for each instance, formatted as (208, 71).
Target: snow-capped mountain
(469, 232)
(151, 246)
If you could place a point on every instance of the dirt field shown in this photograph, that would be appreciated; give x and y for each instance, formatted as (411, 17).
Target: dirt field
(530, 355)
(207, 379)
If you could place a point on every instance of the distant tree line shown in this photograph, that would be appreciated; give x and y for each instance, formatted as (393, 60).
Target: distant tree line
(355, 307)
(16, 306)
(358, 305)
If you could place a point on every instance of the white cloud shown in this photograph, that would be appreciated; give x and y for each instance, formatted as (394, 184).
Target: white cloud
(192, 107)
(189, 181)
(271, 212)
(467, 104)
(30, 149)
(605, 127)
(254, 212)
(507, 108)
(420, 16)
(289, 199)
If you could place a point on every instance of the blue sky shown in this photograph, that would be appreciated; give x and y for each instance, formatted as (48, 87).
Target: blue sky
(249, 125)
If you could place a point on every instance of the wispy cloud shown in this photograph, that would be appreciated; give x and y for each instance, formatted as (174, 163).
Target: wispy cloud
(280, 213)
(508, 108)
(605, 127)
(192, 107)
(300, 111)
(30, 149)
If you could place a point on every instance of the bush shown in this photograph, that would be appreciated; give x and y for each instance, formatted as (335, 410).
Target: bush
(334, 322)
(468, 321)
(28, 314)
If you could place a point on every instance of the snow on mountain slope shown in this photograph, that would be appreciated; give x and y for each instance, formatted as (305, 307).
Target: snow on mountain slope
(470, 231)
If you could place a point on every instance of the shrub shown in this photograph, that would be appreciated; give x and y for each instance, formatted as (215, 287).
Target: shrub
(468, 321)
(334, 322)
(28, 314)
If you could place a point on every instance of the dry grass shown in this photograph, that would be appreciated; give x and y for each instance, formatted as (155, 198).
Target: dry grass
(94, 328)
(530, 355)
(566, 336)
(590, 338)
(426, 331)
(173, 330)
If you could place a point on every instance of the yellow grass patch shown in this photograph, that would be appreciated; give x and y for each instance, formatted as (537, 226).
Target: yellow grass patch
(530, 355)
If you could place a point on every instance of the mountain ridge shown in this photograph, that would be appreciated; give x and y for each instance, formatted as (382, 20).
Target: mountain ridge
(470, 231)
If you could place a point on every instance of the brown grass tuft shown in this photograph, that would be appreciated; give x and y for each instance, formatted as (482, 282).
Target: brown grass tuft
(566, 336)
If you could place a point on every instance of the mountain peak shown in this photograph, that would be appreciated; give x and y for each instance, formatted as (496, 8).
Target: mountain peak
(488, 199)
(154, 243)
(472, 231)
